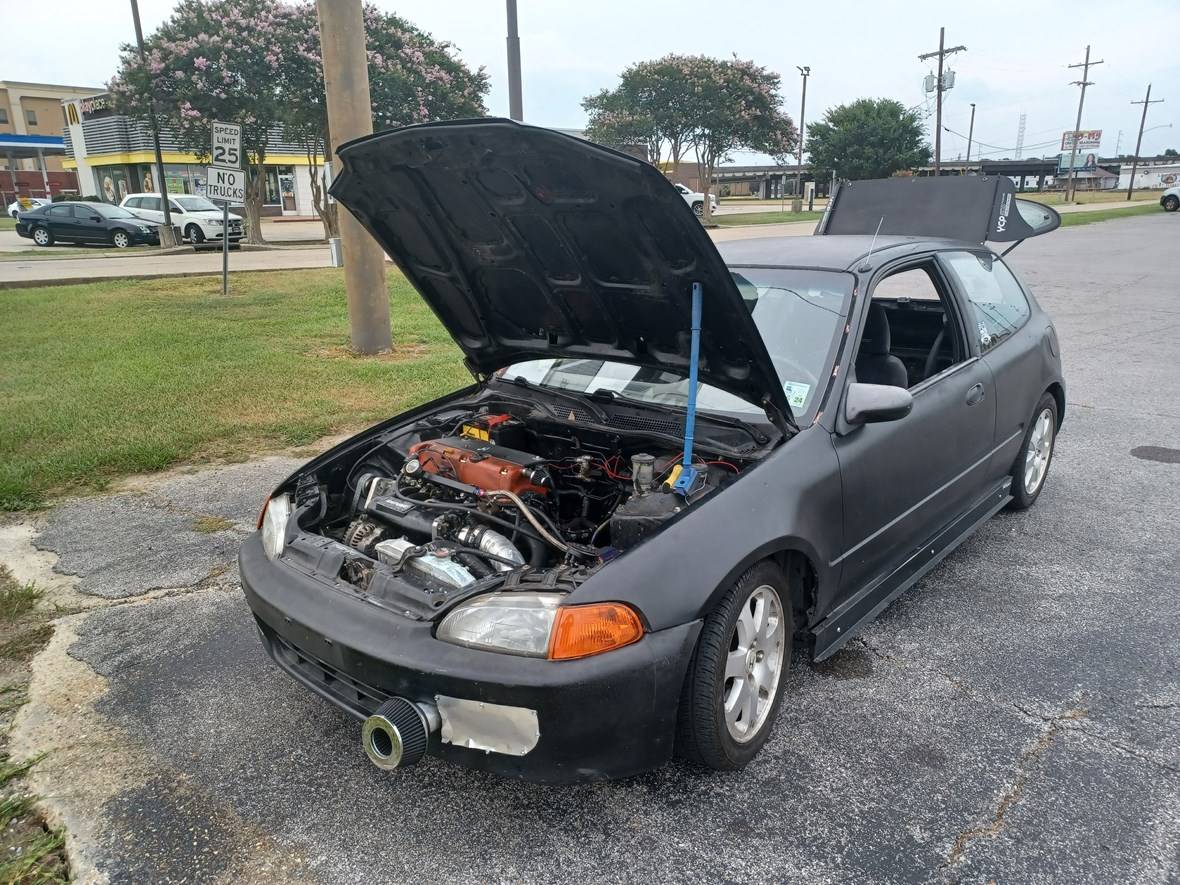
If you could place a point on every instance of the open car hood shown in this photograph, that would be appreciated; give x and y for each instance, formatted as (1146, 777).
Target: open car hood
(974, 208)
(529, 244)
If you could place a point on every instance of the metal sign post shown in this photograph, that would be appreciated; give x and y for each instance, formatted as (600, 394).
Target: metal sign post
(224, 181)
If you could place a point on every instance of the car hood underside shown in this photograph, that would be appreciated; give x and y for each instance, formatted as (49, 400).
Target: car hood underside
(528, 243)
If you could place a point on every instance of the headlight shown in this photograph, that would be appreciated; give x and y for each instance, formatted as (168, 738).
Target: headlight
(213, 222)
(143, 229)
(536, 625)
(274, 524)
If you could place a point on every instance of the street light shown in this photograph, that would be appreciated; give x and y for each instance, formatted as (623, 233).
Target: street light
(797, 203)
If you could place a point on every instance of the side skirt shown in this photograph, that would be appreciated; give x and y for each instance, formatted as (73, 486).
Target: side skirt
(852, 616)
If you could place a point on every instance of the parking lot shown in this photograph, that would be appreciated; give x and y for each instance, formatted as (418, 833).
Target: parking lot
(1015, 717)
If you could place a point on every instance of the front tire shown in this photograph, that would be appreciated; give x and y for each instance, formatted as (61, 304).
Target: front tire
(1032, 464)
(195, 235)
(42, 236)
(734, 685)
(1171, 204)
(121, 239)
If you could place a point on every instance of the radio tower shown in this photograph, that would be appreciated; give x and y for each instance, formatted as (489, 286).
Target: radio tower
(1020, 136)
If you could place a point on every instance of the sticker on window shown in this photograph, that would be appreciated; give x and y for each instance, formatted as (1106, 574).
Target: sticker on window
(796, 392)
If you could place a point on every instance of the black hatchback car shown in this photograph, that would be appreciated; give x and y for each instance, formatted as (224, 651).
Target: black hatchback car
(674, 462)
(84, 222)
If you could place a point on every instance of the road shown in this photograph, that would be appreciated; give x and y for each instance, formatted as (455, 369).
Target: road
(1015, 717)
(112, 265)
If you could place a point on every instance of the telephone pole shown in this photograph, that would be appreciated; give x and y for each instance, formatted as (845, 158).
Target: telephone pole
(1073, 154)
(167, 234)
(797, 203)
(1147, 100)
(939, 89)
(350, 115)
(970, 132)
(515, 100)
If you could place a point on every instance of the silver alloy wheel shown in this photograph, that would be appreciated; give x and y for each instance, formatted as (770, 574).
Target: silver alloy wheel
(121, 239)
(41, 236)
(754, 663)
(1040, 449)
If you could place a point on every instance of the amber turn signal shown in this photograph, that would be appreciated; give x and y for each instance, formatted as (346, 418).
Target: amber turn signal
(583, 630)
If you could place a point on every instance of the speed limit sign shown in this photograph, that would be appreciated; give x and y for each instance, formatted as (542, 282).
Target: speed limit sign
(227, 145)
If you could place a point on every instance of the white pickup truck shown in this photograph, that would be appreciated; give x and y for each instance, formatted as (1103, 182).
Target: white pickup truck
(696, 200)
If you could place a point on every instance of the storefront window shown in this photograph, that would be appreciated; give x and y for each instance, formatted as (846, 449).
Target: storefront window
(280, 186)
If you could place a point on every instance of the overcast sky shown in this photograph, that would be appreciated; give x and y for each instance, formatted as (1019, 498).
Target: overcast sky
(1016, 59)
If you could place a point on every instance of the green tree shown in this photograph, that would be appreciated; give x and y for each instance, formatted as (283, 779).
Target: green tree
(1171, 152)
(869, 138)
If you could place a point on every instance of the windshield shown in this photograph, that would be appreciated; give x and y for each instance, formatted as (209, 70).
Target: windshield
(196, 204)
(799, 314)
(108, 211)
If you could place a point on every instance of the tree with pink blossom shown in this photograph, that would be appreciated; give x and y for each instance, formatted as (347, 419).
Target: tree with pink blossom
(257, 63)
(681, 102)
(413, 78)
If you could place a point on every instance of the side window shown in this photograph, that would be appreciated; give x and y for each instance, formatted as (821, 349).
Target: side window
(910, 333)
(152, 203)
(174, 208)
(59, 211)
(998, 304)
(134, 203)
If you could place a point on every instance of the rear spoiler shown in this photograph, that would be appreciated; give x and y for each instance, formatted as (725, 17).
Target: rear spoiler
(974, 208)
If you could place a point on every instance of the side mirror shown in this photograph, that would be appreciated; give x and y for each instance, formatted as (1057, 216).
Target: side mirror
(96, 218)
(874, 403)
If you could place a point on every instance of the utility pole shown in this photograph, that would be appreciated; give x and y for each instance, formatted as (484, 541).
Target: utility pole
(970, 132)
(939, 89)
(350, 115)
(1071, 187)
(167, 234)
(797, 203)
(515, 100)
(1147, 100)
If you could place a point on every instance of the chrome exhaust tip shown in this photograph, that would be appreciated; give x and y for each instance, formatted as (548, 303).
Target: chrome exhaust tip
(397, 734)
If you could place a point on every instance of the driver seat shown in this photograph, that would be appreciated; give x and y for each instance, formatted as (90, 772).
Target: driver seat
(874, 363)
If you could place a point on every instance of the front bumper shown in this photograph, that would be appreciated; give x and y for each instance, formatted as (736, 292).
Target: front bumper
(607, 716)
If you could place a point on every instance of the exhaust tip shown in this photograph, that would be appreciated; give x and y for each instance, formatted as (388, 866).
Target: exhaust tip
(396, 735)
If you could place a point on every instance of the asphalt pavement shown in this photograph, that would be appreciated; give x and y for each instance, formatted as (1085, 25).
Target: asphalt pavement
(1013, 718)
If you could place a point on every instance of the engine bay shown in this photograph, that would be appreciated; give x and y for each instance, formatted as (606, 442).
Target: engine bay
(499, 492)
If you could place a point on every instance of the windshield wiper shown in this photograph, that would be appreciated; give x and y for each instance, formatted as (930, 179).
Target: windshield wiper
(578, 398)
(614, 396)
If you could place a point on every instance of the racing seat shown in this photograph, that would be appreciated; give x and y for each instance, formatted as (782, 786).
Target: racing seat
(874, 363)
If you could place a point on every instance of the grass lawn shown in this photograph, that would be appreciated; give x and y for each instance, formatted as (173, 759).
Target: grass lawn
(1072, 219)
(745, 218)
(111, 378)
(7, 222)
(1056, 198)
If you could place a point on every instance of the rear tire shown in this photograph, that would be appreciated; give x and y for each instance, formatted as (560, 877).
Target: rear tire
(195, 235)
(1036, 453)
(734, 685)
(42, 236)
(1171, 204)
(698, 209)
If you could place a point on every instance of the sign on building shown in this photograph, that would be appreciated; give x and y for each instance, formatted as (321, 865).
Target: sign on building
(227, 145)
(226, 185)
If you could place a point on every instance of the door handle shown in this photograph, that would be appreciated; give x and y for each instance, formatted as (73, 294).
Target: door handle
(975, 394)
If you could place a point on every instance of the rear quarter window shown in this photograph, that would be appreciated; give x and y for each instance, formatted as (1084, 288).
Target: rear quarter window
(998, 304)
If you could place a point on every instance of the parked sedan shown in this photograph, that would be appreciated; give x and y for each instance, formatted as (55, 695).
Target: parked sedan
(675, 464)
(24, 205)
(85, 223)
(197, 219)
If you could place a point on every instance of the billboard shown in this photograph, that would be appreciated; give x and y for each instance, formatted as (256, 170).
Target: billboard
(1088, 142)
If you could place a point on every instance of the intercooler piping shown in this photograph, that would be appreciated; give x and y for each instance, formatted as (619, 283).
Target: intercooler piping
(398, 733)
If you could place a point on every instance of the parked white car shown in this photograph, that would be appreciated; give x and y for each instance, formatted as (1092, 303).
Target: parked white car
(197, 219)
(696, 200)
(25, 204)
(1171, 199)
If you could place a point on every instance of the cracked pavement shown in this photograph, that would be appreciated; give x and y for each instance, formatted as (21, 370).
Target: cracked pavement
(1015, 717)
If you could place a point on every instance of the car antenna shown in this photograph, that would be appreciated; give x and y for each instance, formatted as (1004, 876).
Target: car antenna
(865, 264)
